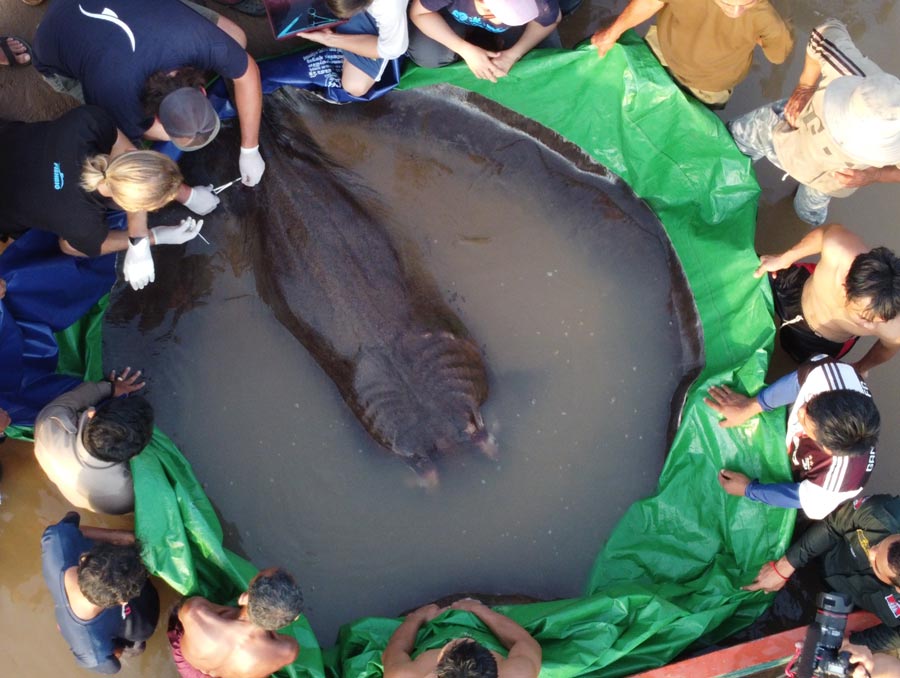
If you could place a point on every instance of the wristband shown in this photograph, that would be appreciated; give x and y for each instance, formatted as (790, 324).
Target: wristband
(774, 567)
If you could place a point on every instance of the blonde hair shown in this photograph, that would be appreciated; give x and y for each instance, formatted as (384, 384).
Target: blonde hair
(137, 180)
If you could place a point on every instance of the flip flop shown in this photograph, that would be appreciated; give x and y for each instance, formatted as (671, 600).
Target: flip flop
(10, 55)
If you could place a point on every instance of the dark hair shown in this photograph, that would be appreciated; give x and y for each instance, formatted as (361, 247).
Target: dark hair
(344, 9)
(119, 429)
(274, 600)
(875, 275)
(893, 559)
(162, 83)
(467, 659)
(847, 422)
(110, 574)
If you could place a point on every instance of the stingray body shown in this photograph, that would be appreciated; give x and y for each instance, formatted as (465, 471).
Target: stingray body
(325, 264)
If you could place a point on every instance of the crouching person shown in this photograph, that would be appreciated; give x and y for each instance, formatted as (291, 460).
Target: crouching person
(375, 34)
(238, 642)
(85, 439)
(106, 607)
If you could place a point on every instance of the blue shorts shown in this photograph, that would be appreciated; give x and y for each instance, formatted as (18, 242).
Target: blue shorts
(363, 24)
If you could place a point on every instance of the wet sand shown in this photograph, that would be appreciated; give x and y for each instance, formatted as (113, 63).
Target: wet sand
(31, 645)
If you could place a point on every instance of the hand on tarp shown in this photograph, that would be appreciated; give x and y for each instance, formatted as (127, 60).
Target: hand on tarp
(202, 200)
(252, 166)
(480, 62)
(188, 229)
(604, 40)
(138, 268)
(772, 576)
(734, 407)
(733, 482)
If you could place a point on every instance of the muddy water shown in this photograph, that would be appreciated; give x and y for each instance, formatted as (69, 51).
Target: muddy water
(573, 309)
(30, 644)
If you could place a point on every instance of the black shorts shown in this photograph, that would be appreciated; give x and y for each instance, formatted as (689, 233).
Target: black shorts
(798, 339)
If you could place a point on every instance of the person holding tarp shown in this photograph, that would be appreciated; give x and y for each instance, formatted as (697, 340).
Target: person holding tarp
(238, 642)
(706, 45)
(462, 657)
(375, 34)
(62, 176)
(851, 292)
(859, 548)
(832, 430)
(145, 63)
(489, 35)
(839, 130)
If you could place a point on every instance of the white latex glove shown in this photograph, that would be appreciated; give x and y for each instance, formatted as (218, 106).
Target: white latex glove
(138, 269)
(188, 229)
(202, 200)
(252, 166)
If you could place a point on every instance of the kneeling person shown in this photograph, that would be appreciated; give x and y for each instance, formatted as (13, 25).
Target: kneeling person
(84, 440)
(832, 430)
(106, 606)
(375, 33)
(444, 31)
(238, 642)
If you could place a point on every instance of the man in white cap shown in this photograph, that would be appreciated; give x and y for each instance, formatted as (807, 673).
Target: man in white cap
(706, 45)
(839, 130)
(145, 64)
(489, 35)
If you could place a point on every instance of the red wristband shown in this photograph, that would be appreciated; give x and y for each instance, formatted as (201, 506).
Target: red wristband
(772, 563)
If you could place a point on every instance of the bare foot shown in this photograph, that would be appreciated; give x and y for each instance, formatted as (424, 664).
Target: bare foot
(18, 49)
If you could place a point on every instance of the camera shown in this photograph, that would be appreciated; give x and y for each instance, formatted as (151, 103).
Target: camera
(821, 656)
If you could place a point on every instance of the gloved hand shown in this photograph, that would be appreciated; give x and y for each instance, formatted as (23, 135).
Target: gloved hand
(202, 200)
(138, 269)
(252, 166)
(188, 229)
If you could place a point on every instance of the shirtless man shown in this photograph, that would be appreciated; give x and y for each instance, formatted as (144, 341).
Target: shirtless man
(852, 292)
(462, 657)
(238, 642)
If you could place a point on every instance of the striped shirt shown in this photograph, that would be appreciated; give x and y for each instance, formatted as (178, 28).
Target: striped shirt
(809, 153)
(825, 480)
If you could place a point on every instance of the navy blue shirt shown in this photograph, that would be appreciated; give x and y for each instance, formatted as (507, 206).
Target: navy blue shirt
(465, 13)
(40, 171)
(113, 46)
(93, 642)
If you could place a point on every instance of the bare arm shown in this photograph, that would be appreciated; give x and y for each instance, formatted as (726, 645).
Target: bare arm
(396, 658)
(117, 537)
(637, 12)
(116, 241)
(364, 45)
(806, 86)
(524, 652)
(881, 352)
(248, 102)
(827, 240)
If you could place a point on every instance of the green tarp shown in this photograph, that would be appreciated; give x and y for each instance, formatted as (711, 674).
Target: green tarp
(671, 571)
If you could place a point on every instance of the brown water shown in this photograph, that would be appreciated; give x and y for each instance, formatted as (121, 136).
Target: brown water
(536, 271)
(32, 647)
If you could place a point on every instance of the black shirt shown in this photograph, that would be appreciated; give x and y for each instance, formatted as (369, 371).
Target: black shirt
(40, 172)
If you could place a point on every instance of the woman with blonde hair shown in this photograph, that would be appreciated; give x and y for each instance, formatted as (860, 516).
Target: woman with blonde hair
(62, 176)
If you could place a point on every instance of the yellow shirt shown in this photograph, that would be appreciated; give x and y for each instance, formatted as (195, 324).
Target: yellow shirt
(707, 50)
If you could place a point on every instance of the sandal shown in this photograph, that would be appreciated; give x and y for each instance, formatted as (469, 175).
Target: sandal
(10, 55)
